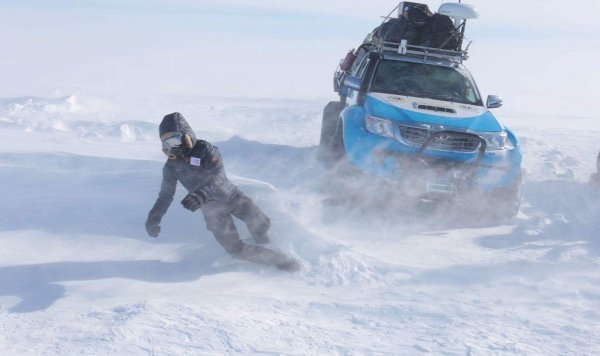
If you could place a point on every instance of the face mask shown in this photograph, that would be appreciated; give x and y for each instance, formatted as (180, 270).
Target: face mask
(172, 146)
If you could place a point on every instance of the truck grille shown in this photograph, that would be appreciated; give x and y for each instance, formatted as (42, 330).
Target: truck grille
(447, 141)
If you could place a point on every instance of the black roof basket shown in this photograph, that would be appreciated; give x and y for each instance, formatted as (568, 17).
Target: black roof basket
(456, 11)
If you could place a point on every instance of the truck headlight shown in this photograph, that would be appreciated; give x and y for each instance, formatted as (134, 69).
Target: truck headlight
(379, 126)
(497, 141)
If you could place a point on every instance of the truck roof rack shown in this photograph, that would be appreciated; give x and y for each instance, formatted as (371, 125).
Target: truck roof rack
(423, 52)
(459, 12)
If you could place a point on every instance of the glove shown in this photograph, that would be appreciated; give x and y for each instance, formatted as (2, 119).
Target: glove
(194, 200)
(152, 228)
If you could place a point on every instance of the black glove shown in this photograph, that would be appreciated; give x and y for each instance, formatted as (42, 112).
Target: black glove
(194, 200)
(152, 228)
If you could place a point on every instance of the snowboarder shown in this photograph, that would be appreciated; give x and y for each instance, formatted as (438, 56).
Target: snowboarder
(199, 167)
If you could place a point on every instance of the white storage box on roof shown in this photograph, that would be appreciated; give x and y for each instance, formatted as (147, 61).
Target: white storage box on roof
(459, 11)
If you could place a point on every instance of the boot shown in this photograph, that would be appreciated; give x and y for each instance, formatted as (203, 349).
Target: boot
(289, 266)
(265, 256)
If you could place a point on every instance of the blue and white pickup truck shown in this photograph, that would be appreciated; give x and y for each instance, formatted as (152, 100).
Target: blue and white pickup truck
(413, 116)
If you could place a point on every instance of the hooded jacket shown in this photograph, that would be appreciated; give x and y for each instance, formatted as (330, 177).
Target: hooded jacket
(201, 168)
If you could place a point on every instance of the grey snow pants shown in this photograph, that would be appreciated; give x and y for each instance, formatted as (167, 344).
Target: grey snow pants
(218, 216)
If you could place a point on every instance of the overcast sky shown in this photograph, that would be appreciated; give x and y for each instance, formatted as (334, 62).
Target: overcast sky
(524, 50)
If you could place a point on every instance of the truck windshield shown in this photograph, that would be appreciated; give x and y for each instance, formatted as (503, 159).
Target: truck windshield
(425, 81)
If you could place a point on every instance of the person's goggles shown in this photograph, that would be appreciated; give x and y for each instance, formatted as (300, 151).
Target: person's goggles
(171, 142)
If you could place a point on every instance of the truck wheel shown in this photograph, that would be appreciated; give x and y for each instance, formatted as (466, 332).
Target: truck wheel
(329, 143)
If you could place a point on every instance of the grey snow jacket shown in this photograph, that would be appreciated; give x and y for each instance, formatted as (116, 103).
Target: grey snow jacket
(203, 169)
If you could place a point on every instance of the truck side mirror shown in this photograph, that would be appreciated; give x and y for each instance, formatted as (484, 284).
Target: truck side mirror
(493, 101)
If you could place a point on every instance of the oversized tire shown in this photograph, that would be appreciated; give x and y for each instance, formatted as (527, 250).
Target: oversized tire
(331, 142)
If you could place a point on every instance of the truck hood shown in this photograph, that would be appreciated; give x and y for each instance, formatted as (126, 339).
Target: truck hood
(413, 110)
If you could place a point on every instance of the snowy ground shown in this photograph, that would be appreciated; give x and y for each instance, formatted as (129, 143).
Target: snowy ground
(80, 276)
(85, 85)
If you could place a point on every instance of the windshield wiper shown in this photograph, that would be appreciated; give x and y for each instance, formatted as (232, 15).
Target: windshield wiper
(445, 97)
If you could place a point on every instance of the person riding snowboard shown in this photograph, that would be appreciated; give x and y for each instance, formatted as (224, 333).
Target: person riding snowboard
(199, 167)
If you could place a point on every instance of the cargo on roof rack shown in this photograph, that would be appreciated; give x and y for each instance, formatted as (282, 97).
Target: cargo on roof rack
(416, 31)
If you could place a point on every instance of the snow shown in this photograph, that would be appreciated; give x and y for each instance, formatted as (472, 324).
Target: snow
(81, 166)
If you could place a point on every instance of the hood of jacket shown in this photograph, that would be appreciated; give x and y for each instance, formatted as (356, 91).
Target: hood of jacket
(175, 122)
